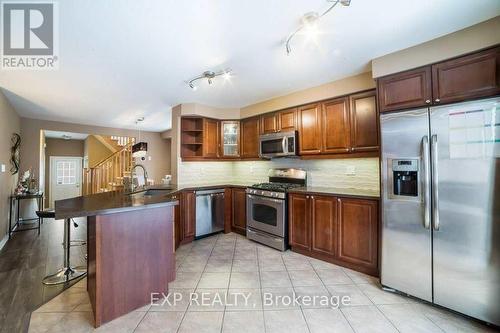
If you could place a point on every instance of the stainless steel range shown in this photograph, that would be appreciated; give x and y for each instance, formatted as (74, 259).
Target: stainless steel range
(267, 221)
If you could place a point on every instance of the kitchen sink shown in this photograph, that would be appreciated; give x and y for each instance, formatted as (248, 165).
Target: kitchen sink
(151, 192)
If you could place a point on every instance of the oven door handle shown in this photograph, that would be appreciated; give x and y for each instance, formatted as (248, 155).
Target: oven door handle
(264, 198)
(250, 231)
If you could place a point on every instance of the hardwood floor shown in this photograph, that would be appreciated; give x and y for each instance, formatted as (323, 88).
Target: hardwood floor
(24, 261)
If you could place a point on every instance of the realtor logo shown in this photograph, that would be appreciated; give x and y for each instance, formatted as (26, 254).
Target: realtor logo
(29, 35)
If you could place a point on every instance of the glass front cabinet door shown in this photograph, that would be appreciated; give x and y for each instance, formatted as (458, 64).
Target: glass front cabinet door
(230, 138)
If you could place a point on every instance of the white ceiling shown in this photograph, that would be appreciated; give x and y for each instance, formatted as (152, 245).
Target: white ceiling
(122, 59)
(63, 135)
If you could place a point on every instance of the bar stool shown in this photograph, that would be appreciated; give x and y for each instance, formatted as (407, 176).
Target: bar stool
(67, 272)
(50, 214)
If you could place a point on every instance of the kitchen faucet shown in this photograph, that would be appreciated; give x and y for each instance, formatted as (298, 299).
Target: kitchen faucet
(132, 186)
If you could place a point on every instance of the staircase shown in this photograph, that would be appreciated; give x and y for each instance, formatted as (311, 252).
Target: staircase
(108, 174)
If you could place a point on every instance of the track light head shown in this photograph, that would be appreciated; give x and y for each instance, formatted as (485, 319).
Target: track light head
(209, 75)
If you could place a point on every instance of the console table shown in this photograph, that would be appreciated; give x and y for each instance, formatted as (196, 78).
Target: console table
(16, 198)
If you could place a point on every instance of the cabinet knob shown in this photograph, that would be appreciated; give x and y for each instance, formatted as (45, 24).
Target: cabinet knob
(312, 196)
(428, 101)
(307, 197)
(437, 100)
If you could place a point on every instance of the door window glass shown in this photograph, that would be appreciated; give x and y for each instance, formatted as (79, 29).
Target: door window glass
(66, 172)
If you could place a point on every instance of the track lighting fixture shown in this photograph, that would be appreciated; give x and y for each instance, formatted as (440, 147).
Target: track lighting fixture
(209, 76)
(310, 23)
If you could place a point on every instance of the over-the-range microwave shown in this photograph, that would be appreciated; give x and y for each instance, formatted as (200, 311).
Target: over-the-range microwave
(278, 144)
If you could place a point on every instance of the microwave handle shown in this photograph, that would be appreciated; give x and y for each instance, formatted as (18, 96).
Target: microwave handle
(284, 144)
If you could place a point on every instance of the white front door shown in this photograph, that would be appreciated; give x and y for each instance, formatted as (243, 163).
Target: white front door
(65, 178)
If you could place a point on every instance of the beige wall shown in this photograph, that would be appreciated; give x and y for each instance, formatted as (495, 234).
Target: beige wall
(10, 123)
(470, 39)
(158, 148)
(175, 144)
(59, 147)
(344, 86)
(95, 151)
(209, 111)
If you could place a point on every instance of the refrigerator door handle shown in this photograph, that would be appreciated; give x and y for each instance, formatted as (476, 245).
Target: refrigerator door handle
(427, 196)
(435, 191)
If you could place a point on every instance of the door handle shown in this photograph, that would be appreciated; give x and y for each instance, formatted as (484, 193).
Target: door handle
(435, 190)
(427, 196)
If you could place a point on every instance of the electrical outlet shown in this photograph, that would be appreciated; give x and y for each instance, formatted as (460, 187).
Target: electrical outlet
(350, 170)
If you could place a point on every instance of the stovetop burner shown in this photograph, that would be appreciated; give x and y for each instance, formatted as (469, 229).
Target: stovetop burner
(279, 187)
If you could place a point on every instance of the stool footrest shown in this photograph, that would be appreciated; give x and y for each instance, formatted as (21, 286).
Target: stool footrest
(64, 275)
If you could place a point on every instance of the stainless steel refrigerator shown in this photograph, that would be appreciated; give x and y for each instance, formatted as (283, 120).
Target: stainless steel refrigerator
(441, 205)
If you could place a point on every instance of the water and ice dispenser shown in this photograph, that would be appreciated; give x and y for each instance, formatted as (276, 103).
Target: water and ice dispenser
(405, 177)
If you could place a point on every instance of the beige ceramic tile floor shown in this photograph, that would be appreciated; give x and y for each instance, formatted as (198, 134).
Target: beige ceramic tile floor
(230, 265)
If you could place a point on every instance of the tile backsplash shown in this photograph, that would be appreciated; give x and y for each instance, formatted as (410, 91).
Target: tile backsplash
(358, 173)
(193, 173)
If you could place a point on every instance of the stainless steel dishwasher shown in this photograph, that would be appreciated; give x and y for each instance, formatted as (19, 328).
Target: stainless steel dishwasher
(209, 212)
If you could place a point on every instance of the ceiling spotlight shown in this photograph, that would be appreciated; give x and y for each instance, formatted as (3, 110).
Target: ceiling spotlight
(227, 76)
(310, 23)
(209, 76)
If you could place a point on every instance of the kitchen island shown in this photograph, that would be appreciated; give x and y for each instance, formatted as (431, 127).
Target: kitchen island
(130, 247)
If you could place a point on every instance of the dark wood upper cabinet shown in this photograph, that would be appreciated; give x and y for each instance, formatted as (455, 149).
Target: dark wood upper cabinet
(358, 232)
(269, 123)
(324, 224)
(364, 122)
(192, 137)
(287, 120)
(229, 139)
(299, 222)
(309, 129)
(472, 76)
(250, 137)
(335, 132)
(239, 218)
(405, 90)
(188, 214)
(210, 138)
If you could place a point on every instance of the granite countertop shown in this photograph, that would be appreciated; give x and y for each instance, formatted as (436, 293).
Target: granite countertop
(113, 202)
(344, 192)
(121, 201)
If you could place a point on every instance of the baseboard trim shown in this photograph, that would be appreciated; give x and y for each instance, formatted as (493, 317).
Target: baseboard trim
(3, 241)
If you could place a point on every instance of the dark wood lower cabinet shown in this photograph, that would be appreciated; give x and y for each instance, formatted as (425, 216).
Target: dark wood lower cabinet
(299, 222)
(358, 232)
(239, 216)
(343, 231)
(177, 226)
(188, 215)
(324, 224)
